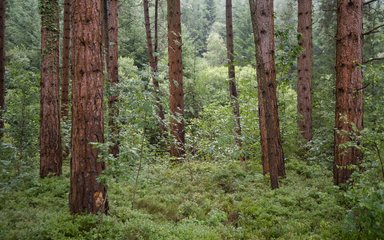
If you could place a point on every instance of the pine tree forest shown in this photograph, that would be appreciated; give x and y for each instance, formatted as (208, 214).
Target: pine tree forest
(191, 119)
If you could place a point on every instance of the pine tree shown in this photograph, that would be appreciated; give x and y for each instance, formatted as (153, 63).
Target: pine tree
(2, 64)
(152, 48)
(232, 76)
(304, 69)
(65, 72)
(87, 194)
(263, 28)
(349, 88)
(210, 14)
(50, 136)
(175, 71)
(113, 71)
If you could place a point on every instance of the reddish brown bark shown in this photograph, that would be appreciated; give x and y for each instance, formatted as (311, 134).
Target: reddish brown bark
(2, 64)
(113, 72)
(65, 71)
(175, 65)
(87, 194)
(262, 123)
(153, 61)
(263, 24)
(232, 76)
(105, 4)
(50, 137)
(304, 69)
(349, 88)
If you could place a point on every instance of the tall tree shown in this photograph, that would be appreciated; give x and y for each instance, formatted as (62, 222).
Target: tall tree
(262, 121)
(65, 71)
(153, 60)
(87, 194)
(232, 76)
(210, 14)
(2, 64)
(263, 28)
(50, 137)
(175, 64)
(349, 88)
(113, 71)
(304, 69)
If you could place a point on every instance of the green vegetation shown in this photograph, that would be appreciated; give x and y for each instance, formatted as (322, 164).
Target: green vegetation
(198, 200)
(211, 195)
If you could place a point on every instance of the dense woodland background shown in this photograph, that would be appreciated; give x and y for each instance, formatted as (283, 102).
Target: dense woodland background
(211, 193)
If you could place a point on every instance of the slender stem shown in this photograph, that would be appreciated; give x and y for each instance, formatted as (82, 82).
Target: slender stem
(380, 158)
(140, 164)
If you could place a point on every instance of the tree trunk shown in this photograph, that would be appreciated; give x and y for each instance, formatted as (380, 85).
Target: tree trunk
(50, 137)
(153, 61)
(65, 62)
(105, 7)
(304, 69)
(2, 65)
(349, 88)
(87, 194)
(113, 72)
(263, 24)
(232, 77)
(262, 123)
(176, 98)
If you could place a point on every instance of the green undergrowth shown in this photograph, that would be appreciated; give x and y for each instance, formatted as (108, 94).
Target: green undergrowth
(216, 200)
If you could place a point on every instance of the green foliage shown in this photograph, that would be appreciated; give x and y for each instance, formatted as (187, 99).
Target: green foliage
(216, 54)
(201, 200)
(22, 117)
(23, 29)
(211, 195)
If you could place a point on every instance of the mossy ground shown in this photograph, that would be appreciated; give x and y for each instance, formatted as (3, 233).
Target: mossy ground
(216, 200)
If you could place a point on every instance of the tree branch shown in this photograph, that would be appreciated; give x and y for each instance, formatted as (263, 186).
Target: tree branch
(373, 30)
(369, 2)
(373, 59)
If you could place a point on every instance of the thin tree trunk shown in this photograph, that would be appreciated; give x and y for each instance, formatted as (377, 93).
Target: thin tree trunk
(232, 77)
(50, 137)
(153, 61)
(65, 74)
(349, 88)
(176, 98)
(304, 69)
(113, 72)
(2, 65)
(263, 25)
(87, 194)
(105, 10)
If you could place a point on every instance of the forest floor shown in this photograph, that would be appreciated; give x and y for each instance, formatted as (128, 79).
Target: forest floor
(197, 200)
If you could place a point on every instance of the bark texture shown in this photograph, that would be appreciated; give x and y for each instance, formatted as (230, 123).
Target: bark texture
(175, 65)
(2, 64)
(262, 123)
(50, 137)
(65, 71)
(349, 88)
(153, 62)
(304, 69)
(113, 72)
(263, 24)
(87, 195)
(233, 95)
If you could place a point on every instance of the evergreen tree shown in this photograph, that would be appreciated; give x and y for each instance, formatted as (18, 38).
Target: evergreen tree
(50, 136)
(349, 87)
(87, 194)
